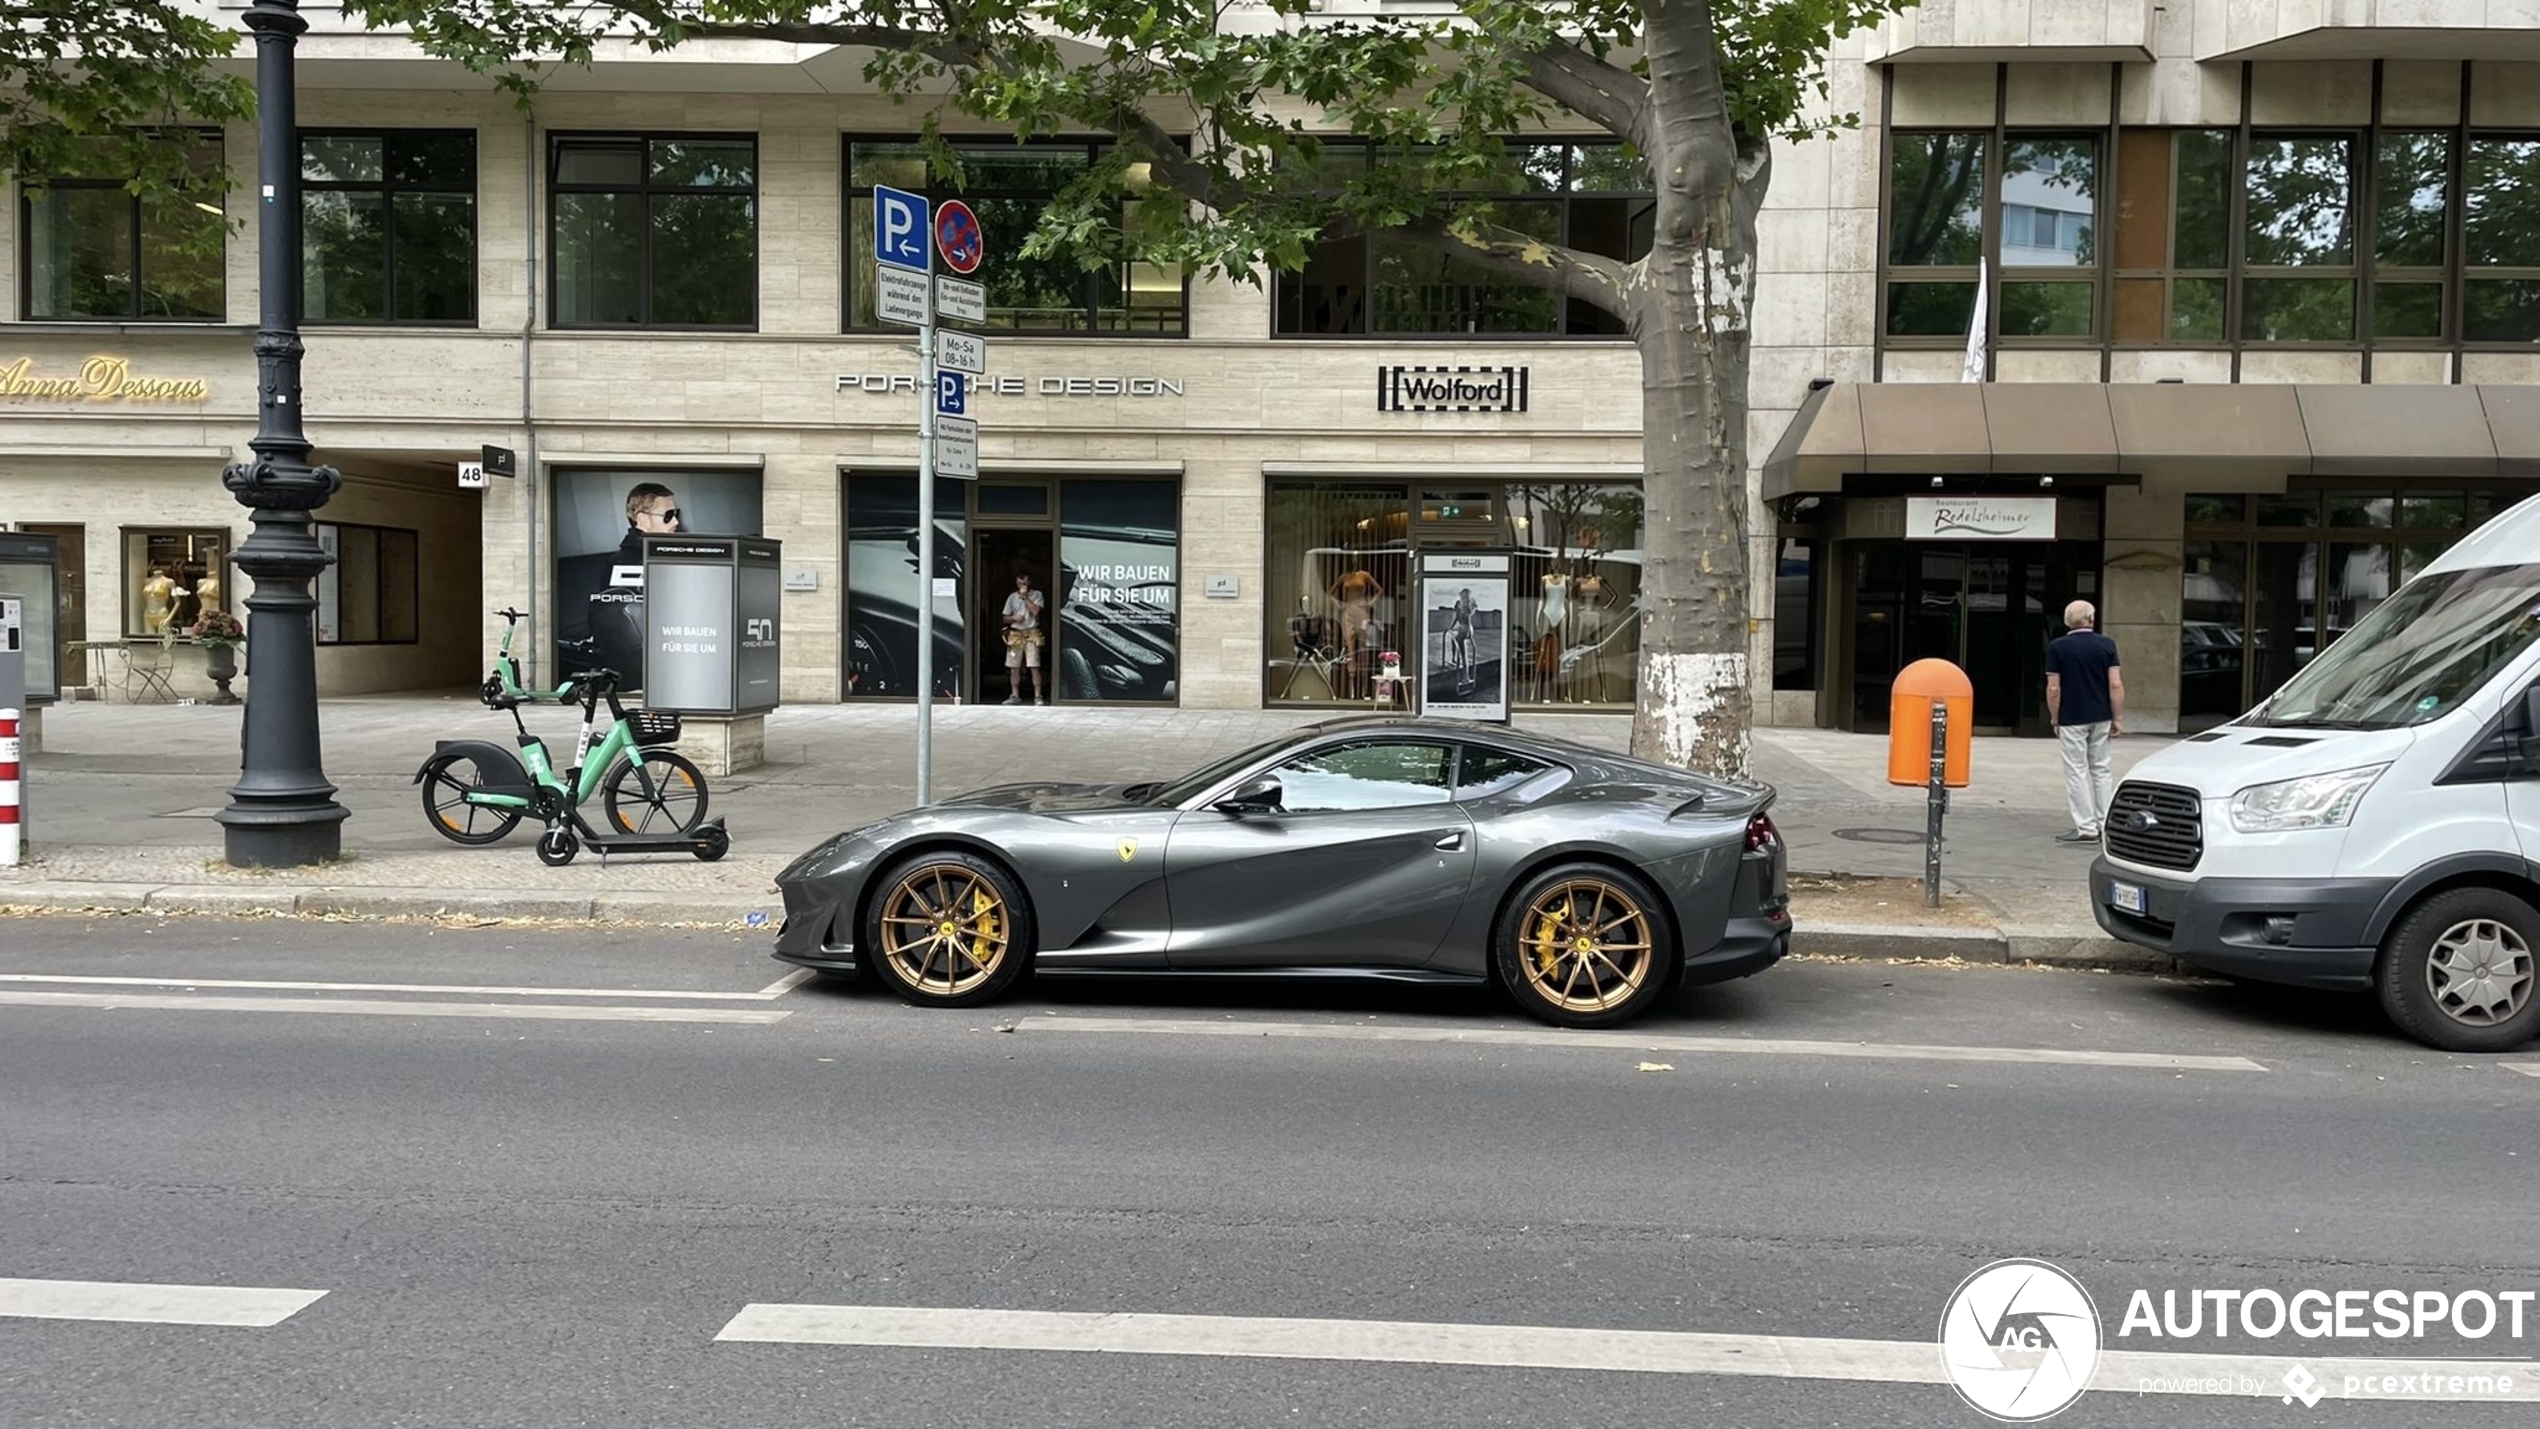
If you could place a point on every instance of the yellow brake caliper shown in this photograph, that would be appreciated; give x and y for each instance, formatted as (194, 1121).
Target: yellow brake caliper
(1548, 940)
(985, 926)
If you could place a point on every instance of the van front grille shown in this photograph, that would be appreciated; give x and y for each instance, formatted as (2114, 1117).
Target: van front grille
(2160, 825)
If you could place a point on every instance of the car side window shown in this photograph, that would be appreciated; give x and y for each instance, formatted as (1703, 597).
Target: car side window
(1390, 775)
(1485, 772)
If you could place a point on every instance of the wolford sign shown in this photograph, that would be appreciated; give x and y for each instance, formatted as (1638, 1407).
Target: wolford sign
(883, 384)
(1451, 389)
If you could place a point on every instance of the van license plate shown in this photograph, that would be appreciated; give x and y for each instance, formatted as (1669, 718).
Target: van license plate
(2126, 898)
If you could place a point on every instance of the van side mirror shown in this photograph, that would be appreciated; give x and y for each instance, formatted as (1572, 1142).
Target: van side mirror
(1253, 796)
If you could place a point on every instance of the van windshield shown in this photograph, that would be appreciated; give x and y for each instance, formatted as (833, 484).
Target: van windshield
(2419, 655)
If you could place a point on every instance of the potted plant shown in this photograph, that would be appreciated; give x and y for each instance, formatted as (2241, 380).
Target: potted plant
(220, 635)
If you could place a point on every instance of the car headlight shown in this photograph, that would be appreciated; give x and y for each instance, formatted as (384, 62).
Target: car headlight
(2314, 801)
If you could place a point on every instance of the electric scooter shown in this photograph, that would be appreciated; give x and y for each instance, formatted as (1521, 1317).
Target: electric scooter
(476, 791)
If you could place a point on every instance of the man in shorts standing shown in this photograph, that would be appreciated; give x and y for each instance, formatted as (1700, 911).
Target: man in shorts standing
(1023, 639)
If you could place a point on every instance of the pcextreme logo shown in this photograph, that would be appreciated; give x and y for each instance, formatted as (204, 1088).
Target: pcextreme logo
(2020, 1340)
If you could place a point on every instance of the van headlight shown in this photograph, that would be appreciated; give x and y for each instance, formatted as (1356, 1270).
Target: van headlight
(2314, 801)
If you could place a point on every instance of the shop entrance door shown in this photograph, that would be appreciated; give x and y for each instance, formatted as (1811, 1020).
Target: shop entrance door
(998, 556)
(1987, 607)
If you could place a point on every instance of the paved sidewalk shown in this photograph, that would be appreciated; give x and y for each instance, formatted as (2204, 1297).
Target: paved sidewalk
(120, 804)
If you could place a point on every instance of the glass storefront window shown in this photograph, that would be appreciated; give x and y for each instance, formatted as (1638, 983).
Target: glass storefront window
(1119, 593)
(170, 578)
(1338, 572)
(2213, 634)
(882, 585)
(1796, 571)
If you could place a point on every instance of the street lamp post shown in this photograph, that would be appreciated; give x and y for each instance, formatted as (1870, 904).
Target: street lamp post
(282, 812)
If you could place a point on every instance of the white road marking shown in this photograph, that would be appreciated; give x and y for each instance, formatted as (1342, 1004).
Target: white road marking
(1626, 1042)
(380, 1007)
(1561, 1347)
(2528, 1069)
(785, 984)
(452, 989)
(252, 1306)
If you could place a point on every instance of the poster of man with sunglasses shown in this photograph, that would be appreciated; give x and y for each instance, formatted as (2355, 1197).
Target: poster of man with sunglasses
(602, 518)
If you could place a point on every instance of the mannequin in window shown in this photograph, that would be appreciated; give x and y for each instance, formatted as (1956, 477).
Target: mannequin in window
(1556, 613)
(1356, 593)
(207, 590)
(158, 601)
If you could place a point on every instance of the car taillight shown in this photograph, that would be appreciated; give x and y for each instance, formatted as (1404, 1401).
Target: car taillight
(1760, 834)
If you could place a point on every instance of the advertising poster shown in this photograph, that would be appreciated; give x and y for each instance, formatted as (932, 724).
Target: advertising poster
(1119, 598)
(1464, 645)
(602, 516)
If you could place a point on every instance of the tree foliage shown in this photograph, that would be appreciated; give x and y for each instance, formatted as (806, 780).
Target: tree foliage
(106, 88)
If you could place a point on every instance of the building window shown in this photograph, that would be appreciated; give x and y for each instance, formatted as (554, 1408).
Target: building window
(2298, 282)
(2501, 230)
(388, 227)
(94, 251)
(1008, 185)
(2270, 580)
(170, 577)
(2411, 249)
(369, 596)
(2050, 246)
(1935, 233)
(1338, 573)
(654, 231)
(1592, 197)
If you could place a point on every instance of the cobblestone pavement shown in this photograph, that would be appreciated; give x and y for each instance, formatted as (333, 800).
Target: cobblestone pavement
(121, 798)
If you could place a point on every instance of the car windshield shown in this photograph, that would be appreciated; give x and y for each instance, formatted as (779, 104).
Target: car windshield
(2419, 655)
(1197, 782)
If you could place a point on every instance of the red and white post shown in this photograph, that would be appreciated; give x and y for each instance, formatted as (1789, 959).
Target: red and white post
(11, 767)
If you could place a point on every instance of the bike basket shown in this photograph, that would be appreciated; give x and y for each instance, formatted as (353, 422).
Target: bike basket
(654, 726)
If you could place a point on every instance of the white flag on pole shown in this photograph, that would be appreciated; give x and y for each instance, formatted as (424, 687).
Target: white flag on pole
(1975, 330)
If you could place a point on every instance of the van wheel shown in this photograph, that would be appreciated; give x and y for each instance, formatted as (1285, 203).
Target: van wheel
(2457, 971)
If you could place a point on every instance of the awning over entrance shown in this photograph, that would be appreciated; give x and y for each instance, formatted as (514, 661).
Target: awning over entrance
(2208, 436)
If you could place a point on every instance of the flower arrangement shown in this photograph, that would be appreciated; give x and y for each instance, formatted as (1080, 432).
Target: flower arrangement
(218, 629)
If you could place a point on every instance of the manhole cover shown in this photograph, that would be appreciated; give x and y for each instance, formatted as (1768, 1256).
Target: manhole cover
(1881, 836)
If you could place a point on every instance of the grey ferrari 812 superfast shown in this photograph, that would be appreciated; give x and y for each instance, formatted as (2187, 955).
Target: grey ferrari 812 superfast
(1587, 884)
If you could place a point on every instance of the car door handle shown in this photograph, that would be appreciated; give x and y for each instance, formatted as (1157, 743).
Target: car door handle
(1451, 842)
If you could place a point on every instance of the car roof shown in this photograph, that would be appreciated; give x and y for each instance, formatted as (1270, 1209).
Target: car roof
(2508, 539)
(1549, 746)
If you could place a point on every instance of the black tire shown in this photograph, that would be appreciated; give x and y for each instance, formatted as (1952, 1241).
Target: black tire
(969, 951)
(557, 846)
(655, 791)
(446, 780)
(2457, 971)
(714, 845)
(1584, 945)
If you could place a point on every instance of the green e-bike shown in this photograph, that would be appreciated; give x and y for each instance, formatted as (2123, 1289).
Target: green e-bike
(475, 791)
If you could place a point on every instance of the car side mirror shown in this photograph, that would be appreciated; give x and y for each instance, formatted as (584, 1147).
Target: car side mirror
(1253, 796)
(2530, 746)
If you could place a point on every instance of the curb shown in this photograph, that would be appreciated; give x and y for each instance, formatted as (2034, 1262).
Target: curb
(1845, 942)
(712, 910)
(2010, 947)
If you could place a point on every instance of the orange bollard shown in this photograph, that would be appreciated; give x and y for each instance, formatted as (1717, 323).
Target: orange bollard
(1909, 724)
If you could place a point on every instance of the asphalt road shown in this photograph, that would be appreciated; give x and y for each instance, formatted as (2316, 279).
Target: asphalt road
(532, 1195)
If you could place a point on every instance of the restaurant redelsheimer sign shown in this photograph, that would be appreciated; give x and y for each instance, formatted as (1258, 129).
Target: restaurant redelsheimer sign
(1979, 518)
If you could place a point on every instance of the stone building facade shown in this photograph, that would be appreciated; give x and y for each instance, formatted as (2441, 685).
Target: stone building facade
(2257, 332)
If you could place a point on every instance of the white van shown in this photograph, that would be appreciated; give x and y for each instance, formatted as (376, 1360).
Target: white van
(2373, 824)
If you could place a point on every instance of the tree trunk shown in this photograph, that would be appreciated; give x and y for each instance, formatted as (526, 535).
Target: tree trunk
(1690, 318)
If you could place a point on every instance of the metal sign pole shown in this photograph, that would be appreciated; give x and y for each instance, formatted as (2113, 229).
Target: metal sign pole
(926, 557)
(1937, 802)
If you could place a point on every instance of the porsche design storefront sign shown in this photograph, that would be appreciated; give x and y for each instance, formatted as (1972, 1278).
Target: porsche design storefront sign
(887, 383)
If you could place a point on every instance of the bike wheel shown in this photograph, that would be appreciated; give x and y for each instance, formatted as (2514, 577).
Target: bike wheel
(447, 781)
(655, 791)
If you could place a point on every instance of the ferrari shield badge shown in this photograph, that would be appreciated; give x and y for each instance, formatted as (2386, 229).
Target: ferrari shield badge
(1128, 850)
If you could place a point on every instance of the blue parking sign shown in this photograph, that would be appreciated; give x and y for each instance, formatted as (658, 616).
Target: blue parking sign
(952, 394)
(900, 228)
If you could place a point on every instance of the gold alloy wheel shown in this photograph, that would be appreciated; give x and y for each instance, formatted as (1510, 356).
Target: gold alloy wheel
(1588, 946)
(944, 929)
